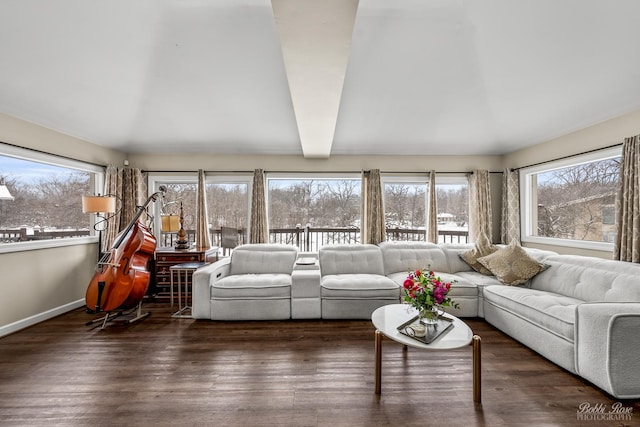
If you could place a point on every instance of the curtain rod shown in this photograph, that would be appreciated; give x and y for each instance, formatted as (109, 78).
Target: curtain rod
(310, 172)
(52, 154)
(567, 157)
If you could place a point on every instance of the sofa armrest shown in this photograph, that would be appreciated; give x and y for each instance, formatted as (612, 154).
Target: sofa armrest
(607, 345)
(202, 279)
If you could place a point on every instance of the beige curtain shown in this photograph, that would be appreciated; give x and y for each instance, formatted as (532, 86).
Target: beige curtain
(627, 244)
(202, 228)
(432, 217)
(372, 230)
(479, 204)
(510, 221)
(127, 185)
(259, 229)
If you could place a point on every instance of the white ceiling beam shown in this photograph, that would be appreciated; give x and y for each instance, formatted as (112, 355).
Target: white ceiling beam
(315, 38)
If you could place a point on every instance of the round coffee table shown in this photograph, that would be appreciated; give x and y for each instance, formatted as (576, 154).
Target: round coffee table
(386, 320)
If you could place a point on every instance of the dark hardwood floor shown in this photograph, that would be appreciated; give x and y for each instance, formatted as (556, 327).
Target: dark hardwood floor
(174, 372)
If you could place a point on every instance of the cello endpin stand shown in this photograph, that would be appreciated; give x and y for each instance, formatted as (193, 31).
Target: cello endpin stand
(104, 319)
(112, 315)
(139, 314)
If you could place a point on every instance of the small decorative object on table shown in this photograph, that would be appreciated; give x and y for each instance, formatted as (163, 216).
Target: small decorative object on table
(427, 293)
(425, 333)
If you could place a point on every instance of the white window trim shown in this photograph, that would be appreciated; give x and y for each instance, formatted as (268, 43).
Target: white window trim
(52, 159)
(312, 175)
(155, 180)
(404, 179)
(526, 198)
(236, 179)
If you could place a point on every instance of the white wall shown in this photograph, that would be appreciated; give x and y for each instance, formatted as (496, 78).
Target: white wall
(37, 283)
(602, 135)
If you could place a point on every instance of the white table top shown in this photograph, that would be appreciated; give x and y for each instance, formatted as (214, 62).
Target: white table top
(387, 319)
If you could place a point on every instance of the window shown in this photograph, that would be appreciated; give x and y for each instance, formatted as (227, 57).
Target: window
(41, 203)
(571, 202)
(452, 198)
(227, 204)
(310, 212)
(405, 206)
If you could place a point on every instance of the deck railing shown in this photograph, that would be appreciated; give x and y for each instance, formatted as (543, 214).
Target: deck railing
(23, 235)
(310, 239)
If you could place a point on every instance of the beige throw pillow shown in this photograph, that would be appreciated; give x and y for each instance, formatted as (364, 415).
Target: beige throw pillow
(511, 265)
(483, 247)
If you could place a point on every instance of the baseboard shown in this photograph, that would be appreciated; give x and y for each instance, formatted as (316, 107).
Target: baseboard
(41, 317)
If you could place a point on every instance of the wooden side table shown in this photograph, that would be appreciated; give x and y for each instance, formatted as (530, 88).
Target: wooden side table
(184, 274)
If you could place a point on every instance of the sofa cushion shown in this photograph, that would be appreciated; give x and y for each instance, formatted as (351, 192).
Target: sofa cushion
(483, 247)
(252, 286)
(590, 279)
(552, 312)
(452, 252)
(359, 286)
(350, 259)
(261, 258)
(480, 280)
(409, 256)
(511, 265)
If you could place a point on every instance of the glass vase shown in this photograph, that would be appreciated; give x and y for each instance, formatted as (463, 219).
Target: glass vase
(428, 315)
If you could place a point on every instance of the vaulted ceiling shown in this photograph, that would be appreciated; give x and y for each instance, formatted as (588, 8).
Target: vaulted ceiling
(319, 77)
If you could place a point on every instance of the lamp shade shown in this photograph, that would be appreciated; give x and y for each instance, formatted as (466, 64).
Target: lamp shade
(4, 193)
(98, 204)
(170, 223)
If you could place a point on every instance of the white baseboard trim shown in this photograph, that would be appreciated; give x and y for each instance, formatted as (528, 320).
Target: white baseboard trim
(41, 317)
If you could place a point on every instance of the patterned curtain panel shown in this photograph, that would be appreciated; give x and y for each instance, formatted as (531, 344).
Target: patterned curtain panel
(374, 208)
(627, 245)
(202, 228)
(510, 222)
(479, 204)
(259, 230)
(364, 180)
(432, 220)
(127, 184)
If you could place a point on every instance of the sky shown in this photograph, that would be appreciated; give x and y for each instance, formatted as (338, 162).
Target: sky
(26, 171)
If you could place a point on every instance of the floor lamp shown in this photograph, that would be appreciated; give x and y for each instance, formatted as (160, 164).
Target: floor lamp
(101, 206)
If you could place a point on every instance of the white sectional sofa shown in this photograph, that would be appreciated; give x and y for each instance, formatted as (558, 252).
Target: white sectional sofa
(581, 313)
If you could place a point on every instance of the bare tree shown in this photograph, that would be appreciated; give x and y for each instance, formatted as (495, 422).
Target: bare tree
(572, 200)
(405, 205)
(341, 207)
(227, 205)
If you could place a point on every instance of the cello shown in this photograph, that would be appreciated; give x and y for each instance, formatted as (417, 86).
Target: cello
(122, 275)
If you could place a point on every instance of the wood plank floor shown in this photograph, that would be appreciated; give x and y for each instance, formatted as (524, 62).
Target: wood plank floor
(181, 372)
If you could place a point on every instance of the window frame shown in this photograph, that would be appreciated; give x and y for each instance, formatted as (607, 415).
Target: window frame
(417, 179)
(155, 180)
(460, 179)
(292, 176)
(98, 174)
(527, 202)
(226, 178)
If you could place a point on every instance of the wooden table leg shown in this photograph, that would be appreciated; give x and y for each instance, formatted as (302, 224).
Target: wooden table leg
(477, 376)
(378, 362)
